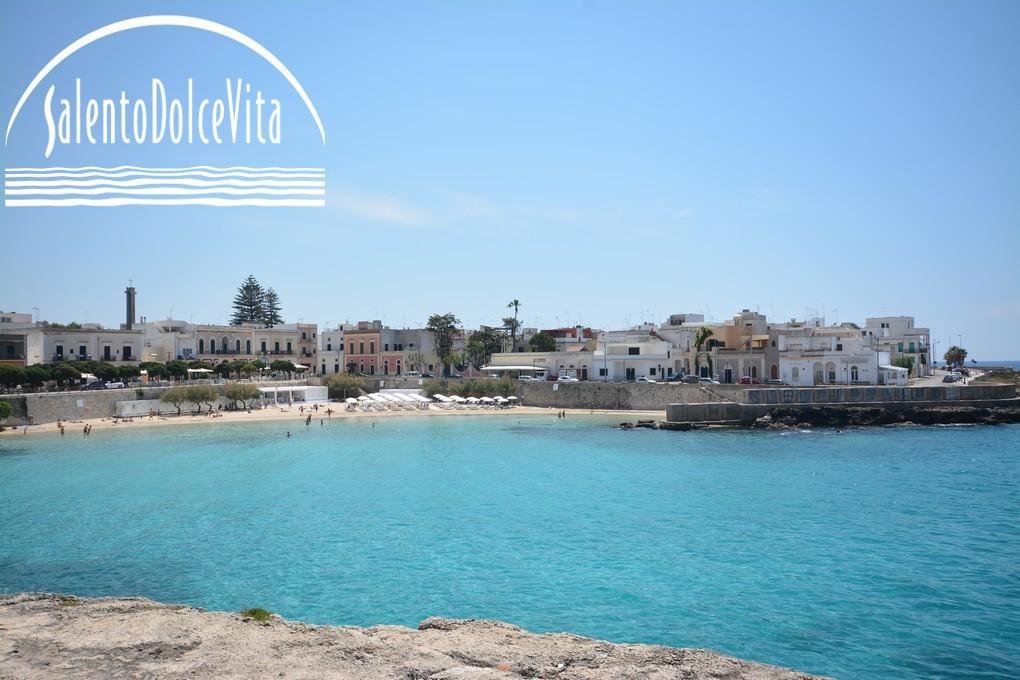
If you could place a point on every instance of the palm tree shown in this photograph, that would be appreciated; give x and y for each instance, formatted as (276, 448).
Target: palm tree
(955, 355)
(514, 305)
(700, 338)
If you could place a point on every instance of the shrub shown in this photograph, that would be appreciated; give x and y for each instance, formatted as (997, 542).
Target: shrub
(258, 613)
(5, 410)
(201, 394)
(241, 392)
(342, 386)
(175, 396)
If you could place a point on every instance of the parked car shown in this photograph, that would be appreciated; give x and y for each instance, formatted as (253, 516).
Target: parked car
(949, 378)
(690, 380)
(708, 381)
(748, 380)
(93, 386)
(567, 379)
(646, 379)
(427, 375)
(774, 381)
(527, 378)
(114, 385)
(412, 374)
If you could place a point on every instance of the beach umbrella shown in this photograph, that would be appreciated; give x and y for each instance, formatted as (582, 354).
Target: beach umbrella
(472, 400)
(511, 398)
(487, 400)
(351, 400)
(362, 398)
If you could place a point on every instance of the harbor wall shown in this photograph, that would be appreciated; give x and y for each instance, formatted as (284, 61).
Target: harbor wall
(656, 397)
(48, 407)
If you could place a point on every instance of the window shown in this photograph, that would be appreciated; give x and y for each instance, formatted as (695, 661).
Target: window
(796, 373)
(107, 354)
(288, 347)
(361, 348)
(212, 346)
(386, 367)
(263, 346)
(237, 346)
(899, 347)
(247, 346)
(201, 345)
(911, 347)
(60, 350)
(336, 368)
(603, 372)
(350, 348)
(839, 347)
(371, 347)
(126, 354)
(386, 347)
(304, 335)
(329, 347)
(276, 346)
(324, 368)
(854, 375)
(651, 371)
(633, 351)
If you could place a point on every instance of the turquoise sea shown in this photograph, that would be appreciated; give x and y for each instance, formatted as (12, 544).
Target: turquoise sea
(873, 553)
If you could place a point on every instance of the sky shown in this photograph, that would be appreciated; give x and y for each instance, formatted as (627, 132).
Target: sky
(605, 163)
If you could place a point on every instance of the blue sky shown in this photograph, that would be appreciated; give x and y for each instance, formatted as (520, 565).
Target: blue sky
(604, 162)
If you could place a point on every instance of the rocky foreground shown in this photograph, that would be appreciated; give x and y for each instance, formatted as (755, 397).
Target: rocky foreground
(54, 636)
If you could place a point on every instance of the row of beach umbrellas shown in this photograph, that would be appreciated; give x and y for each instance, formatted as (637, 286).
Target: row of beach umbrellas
(455, 400)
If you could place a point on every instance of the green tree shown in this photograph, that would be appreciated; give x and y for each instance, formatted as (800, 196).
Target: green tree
(700, 338)
(542, 342)
(176, 369)
(249, 303)
(202, 394)
(223, 369)
(955, 356)
(904, 362)
(241, 392)
(342, 386)
(63, 374)
(482, 344)
(11, 376)
(512, 324)
(37, 374)
(175, 396)
(283, 366)
(5, 410)
(128, 372)
(105, 371)
(444, 327)
(271, 309)
(154, 369)
(249, 368)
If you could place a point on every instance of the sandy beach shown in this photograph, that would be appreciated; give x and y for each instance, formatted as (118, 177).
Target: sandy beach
(293, 413)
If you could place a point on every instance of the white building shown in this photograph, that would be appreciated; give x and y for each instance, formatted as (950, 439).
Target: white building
(633, 354)
(575, 362)
(898, 336)
(174, 339)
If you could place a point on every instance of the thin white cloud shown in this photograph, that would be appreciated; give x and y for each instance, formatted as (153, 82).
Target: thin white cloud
(379, 208)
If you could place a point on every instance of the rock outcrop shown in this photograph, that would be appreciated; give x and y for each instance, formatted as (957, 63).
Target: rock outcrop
(53, 636)
(852, 416)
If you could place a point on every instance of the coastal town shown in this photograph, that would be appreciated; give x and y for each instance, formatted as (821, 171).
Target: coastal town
(748, 348)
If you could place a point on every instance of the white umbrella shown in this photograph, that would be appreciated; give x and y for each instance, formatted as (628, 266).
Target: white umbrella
(472, 400)
(362, 398)
(487, 400)
(511, 398)
(351, 400)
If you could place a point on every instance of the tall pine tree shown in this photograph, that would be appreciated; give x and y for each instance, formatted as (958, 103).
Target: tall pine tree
(249, 303)
(271, 309)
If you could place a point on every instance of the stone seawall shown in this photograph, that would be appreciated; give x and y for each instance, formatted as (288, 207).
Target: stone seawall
(656, 397)
(48, 407)
(840, 414)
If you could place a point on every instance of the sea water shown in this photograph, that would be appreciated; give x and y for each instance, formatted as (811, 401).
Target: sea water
(872, 553)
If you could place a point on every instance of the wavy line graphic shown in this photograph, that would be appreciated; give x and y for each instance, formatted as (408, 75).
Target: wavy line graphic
(175, 182)
(115, 202)
(167, 191)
